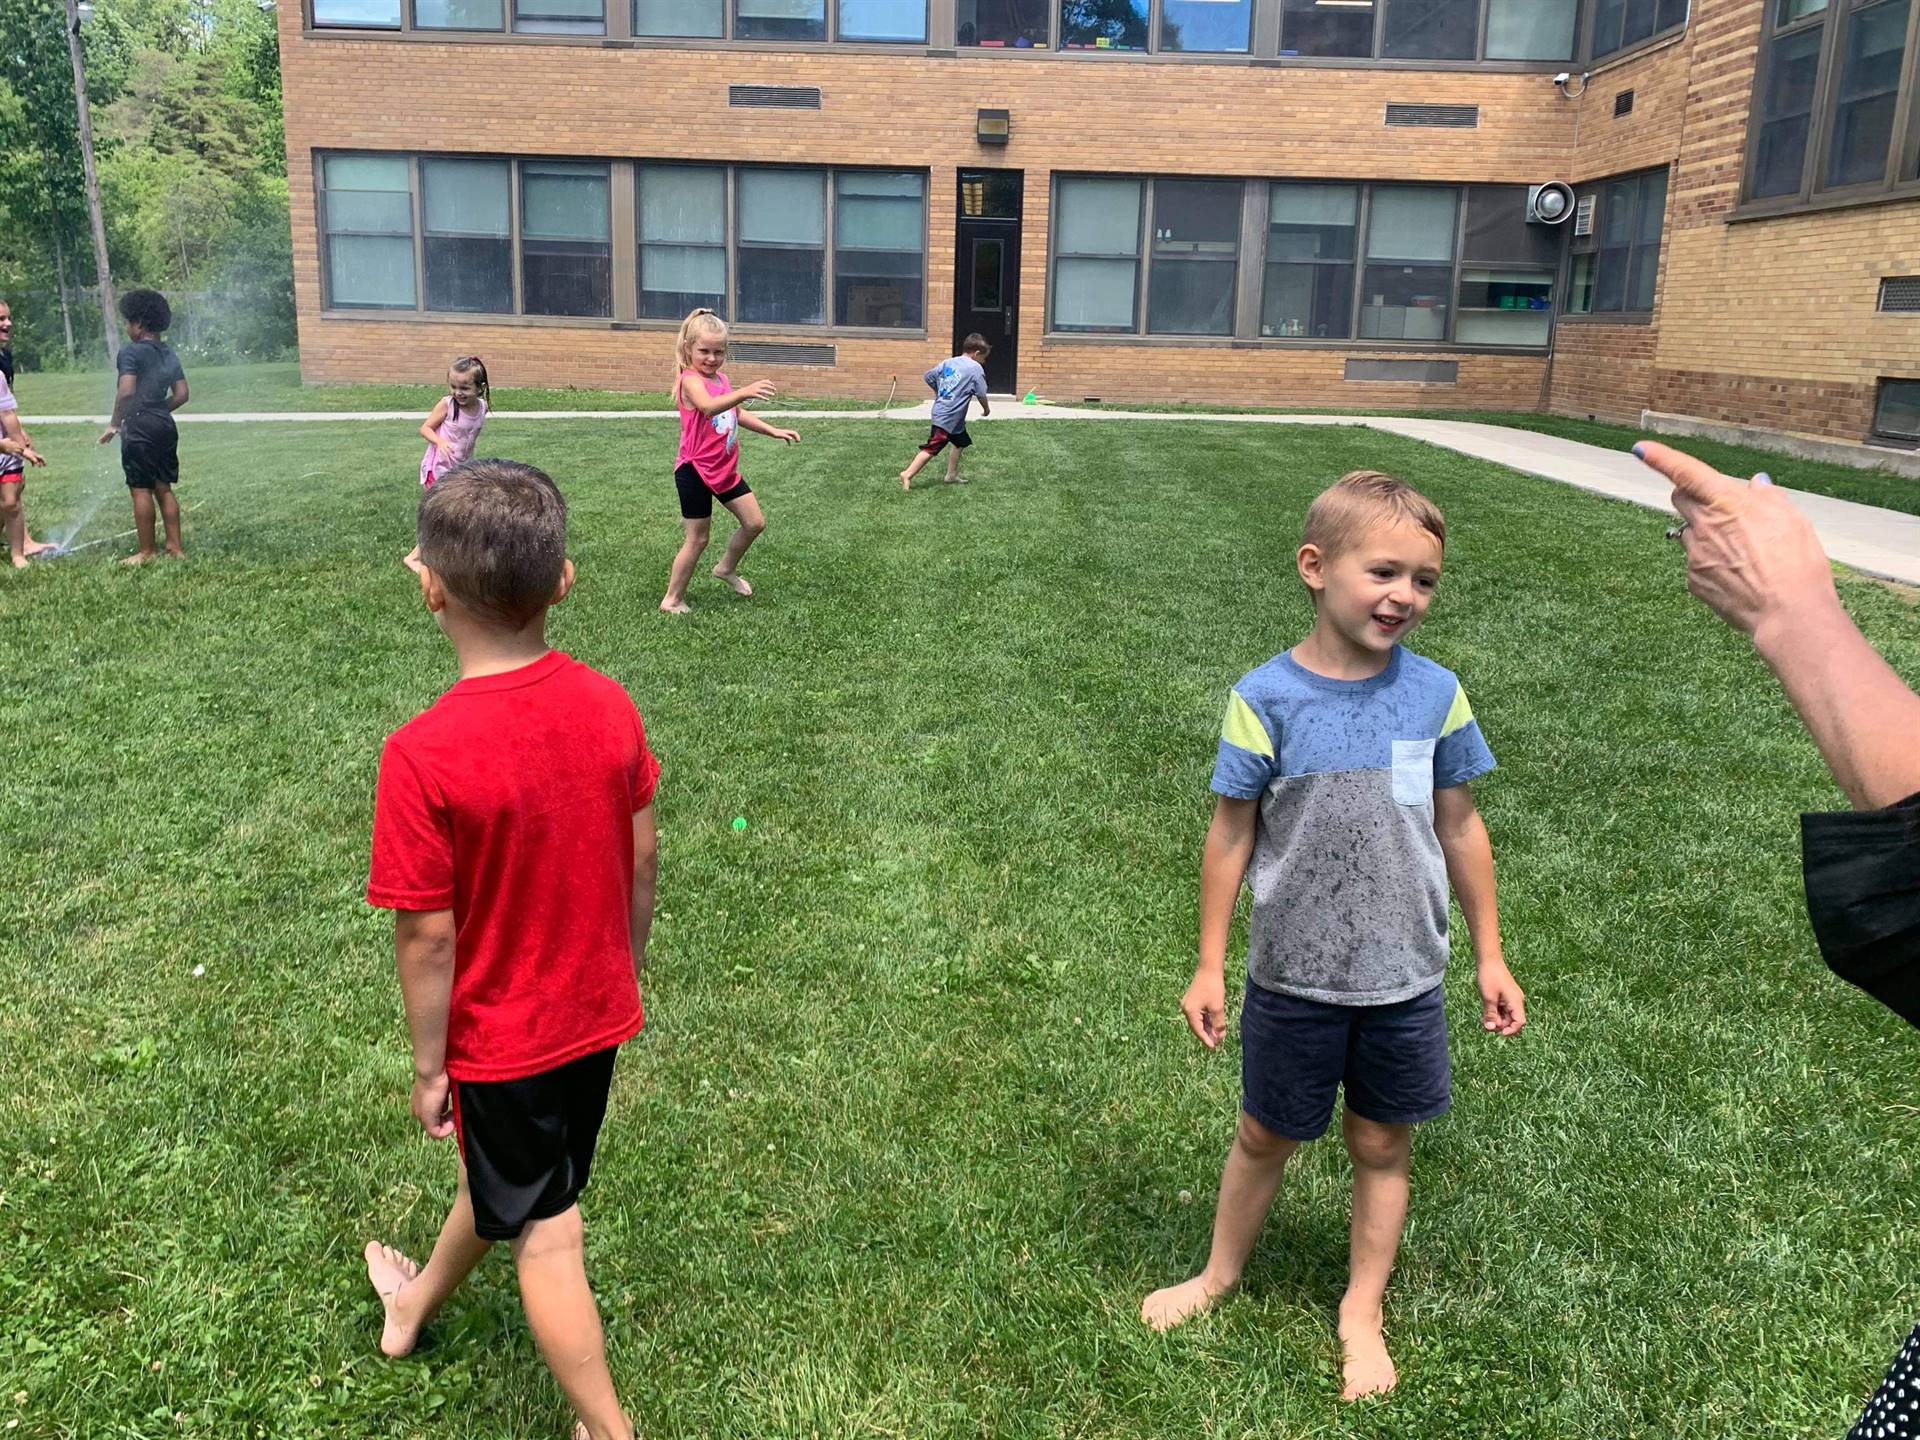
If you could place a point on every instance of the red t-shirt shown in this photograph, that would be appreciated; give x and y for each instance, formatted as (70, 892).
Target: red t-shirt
(511, 802)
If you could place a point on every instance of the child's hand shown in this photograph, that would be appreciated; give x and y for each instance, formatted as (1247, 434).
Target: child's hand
(1503, 1008)
(791, 437)
(758, 390)
(108, 434)
(433, 1104)
(445, 448)
(31, 455)
(1205, 1006)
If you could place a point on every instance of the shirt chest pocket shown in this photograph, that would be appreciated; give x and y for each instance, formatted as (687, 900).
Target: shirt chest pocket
(1412, 772)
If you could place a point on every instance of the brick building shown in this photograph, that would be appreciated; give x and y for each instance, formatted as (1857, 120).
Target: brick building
(1277, 202)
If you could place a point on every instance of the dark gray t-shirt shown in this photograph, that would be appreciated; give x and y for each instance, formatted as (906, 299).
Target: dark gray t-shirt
(154, 368)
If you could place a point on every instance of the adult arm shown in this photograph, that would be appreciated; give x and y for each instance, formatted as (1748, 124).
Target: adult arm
(646, 876)
(696, 395)
(1469, 855)
(423, 958)
(1757, 562)
(1223, 865)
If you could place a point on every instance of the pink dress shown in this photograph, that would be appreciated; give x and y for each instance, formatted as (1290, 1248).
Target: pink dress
(709, 443)
(460, 429)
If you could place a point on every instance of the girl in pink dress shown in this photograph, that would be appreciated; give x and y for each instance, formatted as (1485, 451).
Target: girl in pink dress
(707, 467)
(453, 426)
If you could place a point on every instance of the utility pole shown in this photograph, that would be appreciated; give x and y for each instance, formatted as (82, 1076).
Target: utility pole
(93, 178)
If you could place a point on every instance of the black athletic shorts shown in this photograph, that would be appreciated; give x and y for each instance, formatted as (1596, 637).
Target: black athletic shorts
(528, 1143)
(940, 439)
(150, 450)
(696, 500)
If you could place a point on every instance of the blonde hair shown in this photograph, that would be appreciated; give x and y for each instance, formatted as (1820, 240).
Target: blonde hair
(1361, 500)
(698, 322)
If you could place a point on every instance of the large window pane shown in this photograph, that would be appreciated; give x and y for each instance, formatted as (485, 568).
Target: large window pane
(368, 205)
(1616, 245)
(1311, 28)
(1788, 11)
(1672, 13)
(1431, 29)
(1606, 27)
(566, 255)
(468, 234)
(883, 20)
(1644, 271)
(357, 14)
(1897, 414)
(459, 14)
(683, 240)
(1784, 114)
(1497, 228)
(781, 257)
(1409, 275)
(699, 18)
(1008, 24)
(1531, 29)
(1103, 24)
(1196, 240)
(1504, 305)
(1097, 239)
(1311, 245)
(1636, 23)
(559, 17)
(879, 249)
(1214, 25)
(780, 19)
(1875, 44)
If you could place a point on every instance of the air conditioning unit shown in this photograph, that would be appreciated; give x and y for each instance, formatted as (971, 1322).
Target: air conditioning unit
(1549, 204)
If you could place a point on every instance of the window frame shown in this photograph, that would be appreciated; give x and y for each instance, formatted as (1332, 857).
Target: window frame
(1901, 176)
(325, 232)
(1589, 36)
(1591, 245)
(1877, 436)
(1375, 57)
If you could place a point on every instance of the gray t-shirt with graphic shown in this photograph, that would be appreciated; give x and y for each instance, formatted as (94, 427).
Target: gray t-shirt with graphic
(955, 382)
(1349, 882)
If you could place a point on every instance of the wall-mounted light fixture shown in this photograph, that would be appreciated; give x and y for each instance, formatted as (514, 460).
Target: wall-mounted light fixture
(993, 127)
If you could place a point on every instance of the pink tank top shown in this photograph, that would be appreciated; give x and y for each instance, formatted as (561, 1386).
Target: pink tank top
(710, 443)
(461, 428)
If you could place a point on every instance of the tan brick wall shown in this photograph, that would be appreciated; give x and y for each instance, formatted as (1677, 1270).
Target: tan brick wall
(1605, 145)
(1602, 371)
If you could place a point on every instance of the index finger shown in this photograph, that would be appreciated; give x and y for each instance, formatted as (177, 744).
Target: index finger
(1692, 478)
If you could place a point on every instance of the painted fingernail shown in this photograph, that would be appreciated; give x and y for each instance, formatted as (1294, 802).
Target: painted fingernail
(1763, 478)
(1640, 450)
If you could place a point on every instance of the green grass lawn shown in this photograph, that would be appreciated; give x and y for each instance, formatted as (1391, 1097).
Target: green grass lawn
(915, 1122)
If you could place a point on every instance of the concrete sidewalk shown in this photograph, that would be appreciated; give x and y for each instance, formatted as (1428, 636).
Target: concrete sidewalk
(1885, 543)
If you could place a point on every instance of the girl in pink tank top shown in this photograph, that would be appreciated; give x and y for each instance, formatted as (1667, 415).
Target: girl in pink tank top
(707, 465)
(453, 427)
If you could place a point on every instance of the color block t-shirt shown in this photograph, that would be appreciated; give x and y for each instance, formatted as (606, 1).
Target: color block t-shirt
(1349, 882)
(511, 803)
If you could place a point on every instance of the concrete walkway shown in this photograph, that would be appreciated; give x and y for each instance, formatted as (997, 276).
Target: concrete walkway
(1885, 543)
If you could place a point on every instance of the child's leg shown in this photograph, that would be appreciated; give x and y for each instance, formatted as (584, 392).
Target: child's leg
(565, 1321)
(13, 517)
(1248, 1184)
(914, 467)
(411, 1295)
(953, 464)
(170, 518)
(1382, 1183)
(688, 555)
(752, 526)
(143, 513)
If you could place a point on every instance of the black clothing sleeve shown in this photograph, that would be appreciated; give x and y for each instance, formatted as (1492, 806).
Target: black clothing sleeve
(1862, 871)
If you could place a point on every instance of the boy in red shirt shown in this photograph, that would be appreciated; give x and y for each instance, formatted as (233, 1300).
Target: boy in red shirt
(513, 838)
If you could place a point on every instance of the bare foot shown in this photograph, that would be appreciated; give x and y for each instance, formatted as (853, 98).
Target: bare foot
(390, 1272)
(35, 547)
(732, 581)
(20, 562)
(1177, 1304)
(906, 481)
(139, 557)
(174, 552)
(1367, 1366)
(676, 607)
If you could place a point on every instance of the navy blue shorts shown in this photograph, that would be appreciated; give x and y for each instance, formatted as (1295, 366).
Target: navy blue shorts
(1296, 1054)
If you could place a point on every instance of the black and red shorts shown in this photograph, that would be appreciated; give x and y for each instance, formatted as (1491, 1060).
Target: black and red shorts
(528, 1143)
(940, 439)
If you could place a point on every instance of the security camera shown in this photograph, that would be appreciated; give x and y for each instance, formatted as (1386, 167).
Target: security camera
(1563, 77)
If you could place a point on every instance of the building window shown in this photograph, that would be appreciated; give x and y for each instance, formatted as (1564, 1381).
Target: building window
(1308, 289)
(1826, 95)
(367, 202)
(1096, 272)
(1620, 25)
(1431, 29)
(683, 240)
(1541, 30)
(879, 225)
(1530, 30)
(1309, 28)
(1896, 416)
(1005, 24)
(780, 253)
(780, 19)
(559, 17)
(357, 14)
(1408, 277)
(1616, 266)
(698, 19)
(1507, 269)
(1103, 24)
(1217, 26)
(565, 249)
(459, 15)
(1195, 257)
(467, 228)
(891, 20)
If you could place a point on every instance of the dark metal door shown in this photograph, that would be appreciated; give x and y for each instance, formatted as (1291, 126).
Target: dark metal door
(986, 289)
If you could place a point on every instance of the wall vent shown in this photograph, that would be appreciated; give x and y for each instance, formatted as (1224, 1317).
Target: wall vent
(1419, 372)
(1583, 214)
(1623, 104)
(1900, 294)
(775, 97)
(1444, 117)
(776, 352)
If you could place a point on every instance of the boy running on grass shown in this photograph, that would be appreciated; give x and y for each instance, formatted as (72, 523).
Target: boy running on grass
(1342, 775)
(513, 837)
(955, 381)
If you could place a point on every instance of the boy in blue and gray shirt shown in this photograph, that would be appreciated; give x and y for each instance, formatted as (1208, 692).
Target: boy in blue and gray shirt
(1342, 775)
(956, 383)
